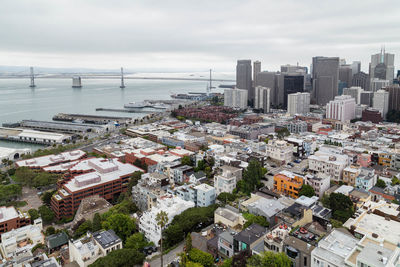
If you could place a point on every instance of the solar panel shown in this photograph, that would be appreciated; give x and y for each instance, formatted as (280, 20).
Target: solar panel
(318, 209)
(324, 212)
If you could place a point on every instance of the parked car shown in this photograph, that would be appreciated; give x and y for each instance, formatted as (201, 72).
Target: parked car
(297, 161)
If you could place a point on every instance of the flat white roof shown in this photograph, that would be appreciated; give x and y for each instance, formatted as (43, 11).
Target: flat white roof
(204, 187)
(7, 213)
(119, 169)
(44, 161)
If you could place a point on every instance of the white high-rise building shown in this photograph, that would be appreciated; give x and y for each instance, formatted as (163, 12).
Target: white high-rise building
(381, 102)
(262, 98)
(298, 103)
(354, 92)
(235, 98)
(382, 66)
(342, 108)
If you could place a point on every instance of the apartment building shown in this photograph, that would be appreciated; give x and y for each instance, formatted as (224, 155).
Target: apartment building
(202, 195)
(328, 163)
(149, 188)
(280, 151)
(350, 175)
(172, 205)
(320, 183)
(288, 183)
(96, 176)
(11, 218)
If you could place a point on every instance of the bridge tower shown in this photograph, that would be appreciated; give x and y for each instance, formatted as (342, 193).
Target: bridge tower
(32, 85)
(122, 79)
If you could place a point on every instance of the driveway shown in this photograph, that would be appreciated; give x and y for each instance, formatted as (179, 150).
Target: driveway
(31, 197)
(168, 258)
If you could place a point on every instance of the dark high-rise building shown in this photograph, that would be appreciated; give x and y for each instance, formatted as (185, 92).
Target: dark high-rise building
(256, 70)
(366, 98)
(394, 96)
(243, 77)
(380, 71)
(325, 75)
(345, 74)
(361, 79)
(292, 84)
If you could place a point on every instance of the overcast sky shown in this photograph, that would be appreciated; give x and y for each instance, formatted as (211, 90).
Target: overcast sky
(194, 34)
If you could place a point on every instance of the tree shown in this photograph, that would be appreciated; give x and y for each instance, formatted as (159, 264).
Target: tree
(50, 231)
(46, 197)
(380, 183)
(188, 243)
(96, 225)
(34, 214)
(226, 197)
(227, 263)
(187, 161)
(269, 259)
(307, 190)
(162, 220)
(193, 264)
(395, 181)
(122, 224)
(251, 218)
(47, 214)
(120, 258)
(204, 258)
(85, 227)
(251, 177)
(341, 205)
(137, 241)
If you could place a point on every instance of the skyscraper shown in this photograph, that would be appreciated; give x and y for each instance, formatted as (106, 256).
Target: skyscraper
(292, 83)
(355, 67)
(382, 66)
(366, 98)
(361, 79)
(381, 102)
(354, 92)
(298, 103)
(256, 70)
(243, 77)
(261, 99)
(377, 84)
(268, 79)
(325, 74)
(346, 74)
(394, 96)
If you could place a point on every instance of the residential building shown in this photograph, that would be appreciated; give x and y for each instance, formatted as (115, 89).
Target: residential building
(320, 183)
(366, 179)
(88, 249)
(149, 188)
(333, 249)
(280, 151)
(273, 240)
(350, 175)
(96, 176)
(11, 218)
(225, 243)
(328, 163)
(298, 103)
(224, 182)
(181, 173)
(243, 77)
(251, 132)
(288, 183)
(248, 238)
(325, 74)
(230, 217)
(381, 102)
(235, 98)
(267, 208)
(298, 251)
(262, 98)
(205, 195)
(172, 205)
(372, 115)
(297, 126)
(20, 239)
(341, 109)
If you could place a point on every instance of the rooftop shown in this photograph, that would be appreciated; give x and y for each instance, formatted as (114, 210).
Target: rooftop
(44, 161)
(106, 238)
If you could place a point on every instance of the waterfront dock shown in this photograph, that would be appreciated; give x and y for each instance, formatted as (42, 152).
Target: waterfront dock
(96, 119)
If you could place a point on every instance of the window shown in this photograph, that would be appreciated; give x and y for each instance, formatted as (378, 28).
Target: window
(305, 261)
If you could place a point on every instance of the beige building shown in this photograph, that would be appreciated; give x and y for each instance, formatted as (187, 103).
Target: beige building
(350, 175)
(229, 217)
(280, 151)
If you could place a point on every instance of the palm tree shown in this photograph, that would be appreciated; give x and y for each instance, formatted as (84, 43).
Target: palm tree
(162, 220)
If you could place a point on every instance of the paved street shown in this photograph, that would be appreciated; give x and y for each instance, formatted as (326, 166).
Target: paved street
(168, 258)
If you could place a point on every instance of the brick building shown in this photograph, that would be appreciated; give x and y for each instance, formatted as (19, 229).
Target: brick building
(10, 218)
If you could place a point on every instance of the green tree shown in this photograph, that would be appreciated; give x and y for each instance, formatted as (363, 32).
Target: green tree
(227, 263)
(251, 177)
(192, 264)
(47, 214)
(120, 258)
(96, 225)
(46, 197)
(187, 161)
(251, 218)
(122, 224)
(34, 214)
(50, 231)
(85, 227)
(162, 220)
(307, 190)
(341, 205)
(380, 183)
(9, 192)
(137, 241)
(395, 181)
(269, 259)
(204, 258)
(201, 165)
(226, 197)
(188, 242)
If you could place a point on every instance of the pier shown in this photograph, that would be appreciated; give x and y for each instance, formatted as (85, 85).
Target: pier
(91, 118)
(127, 110)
